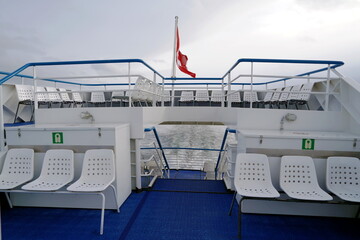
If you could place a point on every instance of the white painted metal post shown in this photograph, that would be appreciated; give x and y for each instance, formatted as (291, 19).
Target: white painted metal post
(129, 85)
(252, 79)
(173, 75)
(222, 93)
(229, 90)
(35, 90)
(327, 89)
(137, 164)
(2, 128)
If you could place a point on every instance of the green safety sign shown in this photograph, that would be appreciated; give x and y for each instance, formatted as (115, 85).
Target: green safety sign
(308, 144)
(57, 138)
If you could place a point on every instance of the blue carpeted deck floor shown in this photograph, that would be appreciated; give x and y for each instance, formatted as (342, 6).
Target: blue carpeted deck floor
(172, 210)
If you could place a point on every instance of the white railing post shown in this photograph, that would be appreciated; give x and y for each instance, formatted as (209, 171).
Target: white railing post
(251, 77)
(129, 85)
(222, 93)
(2, 128)
(327, 97)
(35, 90)
(229, 90)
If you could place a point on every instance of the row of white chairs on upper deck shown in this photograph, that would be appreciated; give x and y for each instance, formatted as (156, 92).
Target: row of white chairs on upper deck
(292, 95)
(298, 179)
(98, 173)
(48, 96)
(217, 96)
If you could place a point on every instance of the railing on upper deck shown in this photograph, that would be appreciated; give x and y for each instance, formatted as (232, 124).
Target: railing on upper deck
(241, 77)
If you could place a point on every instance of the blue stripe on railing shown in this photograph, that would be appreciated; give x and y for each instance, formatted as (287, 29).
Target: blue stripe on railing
(6, 78)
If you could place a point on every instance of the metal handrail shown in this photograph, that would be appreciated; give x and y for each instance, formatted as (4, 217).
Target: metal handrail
(6, 78)
(159, 143)
(227, 130)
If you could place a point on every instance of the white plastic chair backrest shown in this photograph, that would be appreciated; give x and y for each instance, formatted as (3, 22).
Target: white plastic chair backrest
(285, 94)
(276, 95)
(98, 167)
(343, 174)
(233, 96)
(268, 96)
(294, 95)
(306, 89)
(250, 96)
(187, 96)
(166, 96)
(18, 166)
(98, 97)
(252, 171)
(53, 94)
(217, 96)
(77, 97)
(116, 94)
(297, 173)
(202, 95)
(43, 96)
(25, 92)
(58, 166)
(64, 95)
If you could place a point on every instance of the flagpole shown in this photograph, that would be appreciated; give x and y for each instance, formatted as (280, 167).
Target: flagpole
(173, 74)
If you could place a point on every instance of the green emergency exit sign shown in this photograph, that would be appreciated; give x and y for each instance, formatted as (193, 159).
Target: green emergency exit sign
(57, 138)
(308, 144)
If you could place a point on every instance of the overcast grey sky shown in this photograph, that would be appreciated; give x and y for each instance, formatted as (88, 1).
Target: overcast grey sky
(214, 33)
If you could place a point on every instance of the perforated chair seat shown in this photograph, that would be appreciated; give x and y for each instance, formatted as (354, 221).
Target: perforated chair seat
(343, 177)
(18, 168)
(98, 171)
(298, 179)
(252, 176)
(57, 171)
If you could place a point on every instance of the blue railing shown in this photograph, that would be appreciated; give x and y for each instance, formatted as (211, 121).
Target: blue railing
(227, 130)
(16, 72)
(332, 65)
(160, 146)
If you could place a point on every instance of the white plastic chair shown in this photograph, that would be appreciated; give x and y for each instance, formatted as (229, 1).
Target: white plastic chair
(187, 97)
(294, 95)
(298, 179)
(42, 96)
(98, 173)
(233, 97)
(57, 171)
(202, 96)
(252, 176)
(343, 177)
(304, 96)
(284, 96)
(25, 94)
(217, 96)
(78, 100)
(250, 97)
(65, 97)
(275, 97)
(118, 96)
(98, 98)
(18, 168)
(252, 179)
(54, 96)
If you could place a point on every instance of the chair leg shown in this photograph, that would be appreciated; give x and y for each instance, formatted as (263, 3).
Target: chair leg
(17, 110)
(8, 199)
(232, 203)
(102, 214)
(115, 194)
